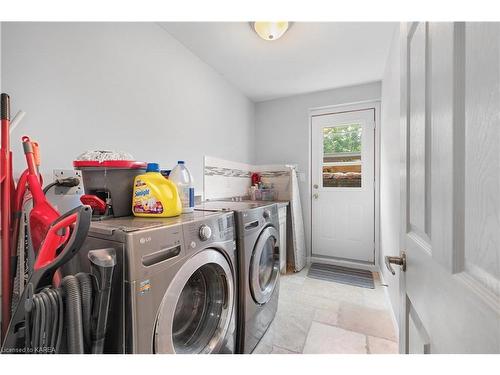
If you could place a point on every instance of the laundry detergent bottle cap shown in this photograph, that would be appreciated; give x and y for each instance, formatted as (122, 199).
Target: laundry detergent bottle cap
(153, 167)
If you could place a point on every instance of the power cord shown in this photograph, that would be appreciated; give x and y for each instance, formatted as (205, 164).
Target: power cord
(66, 182)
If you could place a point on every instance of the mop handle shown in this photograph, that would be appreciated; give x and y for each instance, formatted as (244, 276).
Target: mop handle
(5, 208)
(16, 120)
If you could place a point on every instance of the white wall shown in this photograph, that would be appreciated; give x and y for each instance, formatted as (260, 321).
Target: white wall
(390, 214)
(126, 86)
(282, 132)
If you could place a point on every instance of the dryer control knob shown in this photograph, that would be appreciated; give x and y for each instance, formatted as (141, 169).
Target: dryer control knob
(267, 214)
(205, 232)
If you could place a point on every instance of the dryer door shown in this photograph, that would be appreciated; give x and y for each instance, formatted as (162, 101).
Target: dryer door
(264, 265)
(196, 310)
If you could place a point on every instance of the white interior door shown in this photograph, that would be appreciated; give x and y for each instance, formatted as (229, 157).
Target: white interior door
(343, 163)
(450, 294)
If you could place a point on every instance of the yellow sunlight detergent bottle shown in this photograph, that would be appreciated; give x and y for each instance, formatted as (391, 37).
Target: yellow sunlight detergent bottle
(154, 195)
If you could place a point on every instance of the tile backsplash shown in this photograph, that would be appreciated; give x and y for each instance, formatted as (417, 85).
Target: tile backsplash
(227, 179)
(226, 172)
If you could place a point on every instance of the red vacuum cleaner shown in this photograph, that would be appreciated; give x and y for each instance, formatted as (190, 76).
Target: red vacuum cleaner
(55, 239)
(41, 217)
(49, 260)
(43, 214)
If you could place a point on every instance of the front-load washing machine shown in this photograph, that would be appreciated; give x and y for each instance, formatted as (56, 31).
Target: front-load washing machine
(176, 285)
(257, 226)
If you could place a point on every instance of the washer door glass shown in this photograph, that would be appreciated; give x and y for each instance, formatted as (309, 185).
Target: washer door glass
(196, 310)
(264, 268)
(199, 309)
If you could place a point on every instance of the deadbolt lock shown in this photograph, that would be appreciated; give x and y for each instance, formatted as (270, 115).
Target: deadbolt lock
(315, 186)
(400, 261)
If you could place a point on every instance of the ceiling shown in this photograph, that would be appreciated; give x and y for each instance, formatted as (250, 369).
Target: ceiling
(311, 56)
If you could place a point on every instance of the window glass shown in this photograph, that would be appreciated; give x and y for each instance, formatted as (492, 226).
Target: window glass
(342, 156)
(342, 176)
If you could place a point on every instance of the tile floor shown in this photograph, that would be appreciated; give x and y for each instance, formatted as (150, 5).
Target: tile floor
(323, 317)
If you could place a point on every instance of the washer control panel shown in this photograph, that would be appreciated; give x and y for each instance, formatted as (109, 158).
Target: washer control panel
(218, 228)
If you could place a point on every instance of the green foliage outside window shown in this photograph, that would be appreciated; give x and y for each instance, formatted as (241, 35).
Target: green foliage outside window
(342, 139)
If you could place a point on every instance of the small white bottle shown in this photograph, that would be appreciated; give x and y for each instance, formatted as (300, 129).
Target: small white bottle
(181, 176)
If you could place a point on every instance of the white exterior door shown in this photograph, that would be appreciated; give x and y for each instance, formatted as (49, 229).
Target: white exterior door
(450, 294)
(343, 163)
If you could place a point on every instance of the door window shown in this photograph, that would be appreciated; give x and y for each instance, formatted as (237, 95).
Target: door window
(342, 165)
(199, 309)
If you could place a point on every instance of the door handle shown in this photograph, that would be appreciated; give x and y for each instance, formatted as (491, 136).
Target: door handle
(315, 195)
(400, 261)
(251, 225)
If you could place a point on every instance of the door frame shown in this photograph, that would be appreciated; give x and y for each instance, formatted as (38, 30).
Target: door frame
(333, 109)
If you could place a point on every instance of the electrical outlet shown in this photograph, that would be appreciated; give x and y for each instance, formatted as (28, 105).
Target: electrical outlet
(62, 190)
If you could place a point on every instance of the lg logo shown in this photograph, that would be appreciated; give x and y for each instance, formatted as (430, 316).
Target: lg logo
(144, 240)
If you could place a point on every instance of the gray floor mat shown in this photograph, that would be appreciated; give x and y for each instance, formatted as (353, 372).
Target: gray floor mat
(343, 275)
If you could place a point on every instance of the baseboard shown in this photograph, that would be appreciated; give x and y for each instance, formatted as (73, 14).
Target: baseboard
(388, 298)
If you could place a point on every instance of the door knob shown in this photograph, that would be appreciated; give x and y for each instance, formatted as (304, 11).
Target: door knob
(315, 195)
(400, 261)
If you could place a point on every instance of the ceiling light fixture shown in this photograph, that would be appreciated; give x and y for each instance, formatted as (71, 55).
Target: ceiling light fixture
(270, 30)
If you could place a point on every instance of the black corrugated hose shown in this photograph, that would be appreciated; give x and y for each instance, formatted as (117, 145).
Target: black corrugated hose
(52, 312)
(86, 292)
(44, 322)
(73, 307)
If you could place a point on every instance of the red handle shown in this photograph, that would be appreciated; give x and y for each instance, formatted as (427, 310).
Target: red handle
(53, 240)
(30, 154)
(97, 204)
(33, 179)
